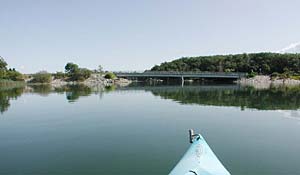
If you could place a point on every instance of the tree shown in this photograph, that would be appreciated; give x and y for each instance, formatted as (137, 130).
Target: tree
(100, 69)
(14, 75)
(3, 64)
(2, 74)
(80, 75)
(9, 74)
(71, 68)
(110, 75)
(264, 63)
(75, 73)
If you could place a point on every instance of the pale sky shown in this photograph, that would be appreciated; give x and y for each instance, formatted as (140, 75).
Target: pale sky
(137, 34)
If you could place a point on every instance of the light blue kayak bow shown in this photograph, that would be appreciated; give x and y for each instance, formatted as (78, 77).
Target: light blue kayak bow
(199, 159)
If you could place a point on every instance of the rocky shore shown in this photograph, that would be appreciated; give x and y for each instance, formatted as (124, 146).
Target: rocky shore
(93, 81)
(264, 82)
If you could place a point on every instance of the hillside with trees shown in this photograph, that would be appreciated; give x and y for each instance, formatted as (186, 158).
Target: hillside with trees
(259, 63)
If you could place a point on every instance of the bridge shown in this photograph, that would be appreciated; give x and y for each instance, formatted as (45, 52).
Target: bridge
(182, 75)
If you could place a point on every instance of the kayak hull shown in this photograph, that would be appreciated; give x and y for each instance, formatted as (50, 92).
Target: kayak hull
(199, 160)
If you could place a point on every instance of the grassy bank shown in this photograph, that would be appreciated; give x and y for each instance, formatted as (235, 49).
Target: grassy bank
(11, 83)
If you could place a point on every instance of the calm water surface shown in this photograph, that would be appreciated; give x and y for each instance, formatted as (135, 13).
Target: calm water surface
(142, 129)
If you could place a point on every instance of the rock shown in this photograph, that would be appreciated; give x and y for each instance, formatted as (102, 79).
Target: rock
(95, 80)
(265, 82)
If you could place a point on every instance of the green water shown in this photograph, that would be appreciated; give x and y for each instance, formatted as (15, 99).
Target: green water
(142, 129)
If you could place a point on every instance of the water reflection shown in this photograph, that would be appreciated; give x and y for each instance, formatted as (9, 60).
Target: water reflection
(43, 90)
(8, 93)
(72, 92)
(274, 98)
(279, 98)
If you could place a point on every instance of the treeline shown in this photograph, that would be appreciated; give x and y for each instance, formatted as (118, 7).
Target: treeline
(260, 63)
(9, 73)
(72, 73)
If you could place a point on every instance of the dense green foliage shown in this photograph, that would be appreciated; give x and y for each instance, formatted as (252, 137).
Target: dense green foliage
(9, 74)
(110, 75)
(75, 73)
(71, 68)
(41, 77)
(14, 75)
(83, 74)
(264, 63)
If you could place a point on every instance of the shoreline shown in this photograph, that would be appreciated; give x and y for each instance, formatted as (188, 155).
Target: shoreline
(265, 82)
(95, 80)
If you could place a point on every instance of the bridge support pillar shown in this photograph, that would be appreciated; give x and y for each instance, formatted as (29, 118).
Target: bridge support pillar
(182, 80)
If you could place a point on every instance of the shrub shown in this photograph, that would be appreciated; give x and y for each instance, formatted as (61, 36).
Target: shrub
(3, 74)
(229, 70)
(251, 75)
(59, 75)
(80, 75)
(295, 77)
(41, 77)
(110, 75)
(275, 74)
(14, 75)
(9, 74)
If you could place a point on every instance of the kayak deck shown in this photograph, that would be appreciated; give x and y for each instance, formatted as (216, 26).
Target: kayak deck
(199, 160)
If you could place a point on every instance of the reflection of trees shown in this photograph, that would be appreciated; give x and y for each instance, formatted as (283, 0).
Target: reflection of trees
(8, 93)
(73, 92)
(268, 99)
(110, 88)
(44, 89)
(217, 95)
